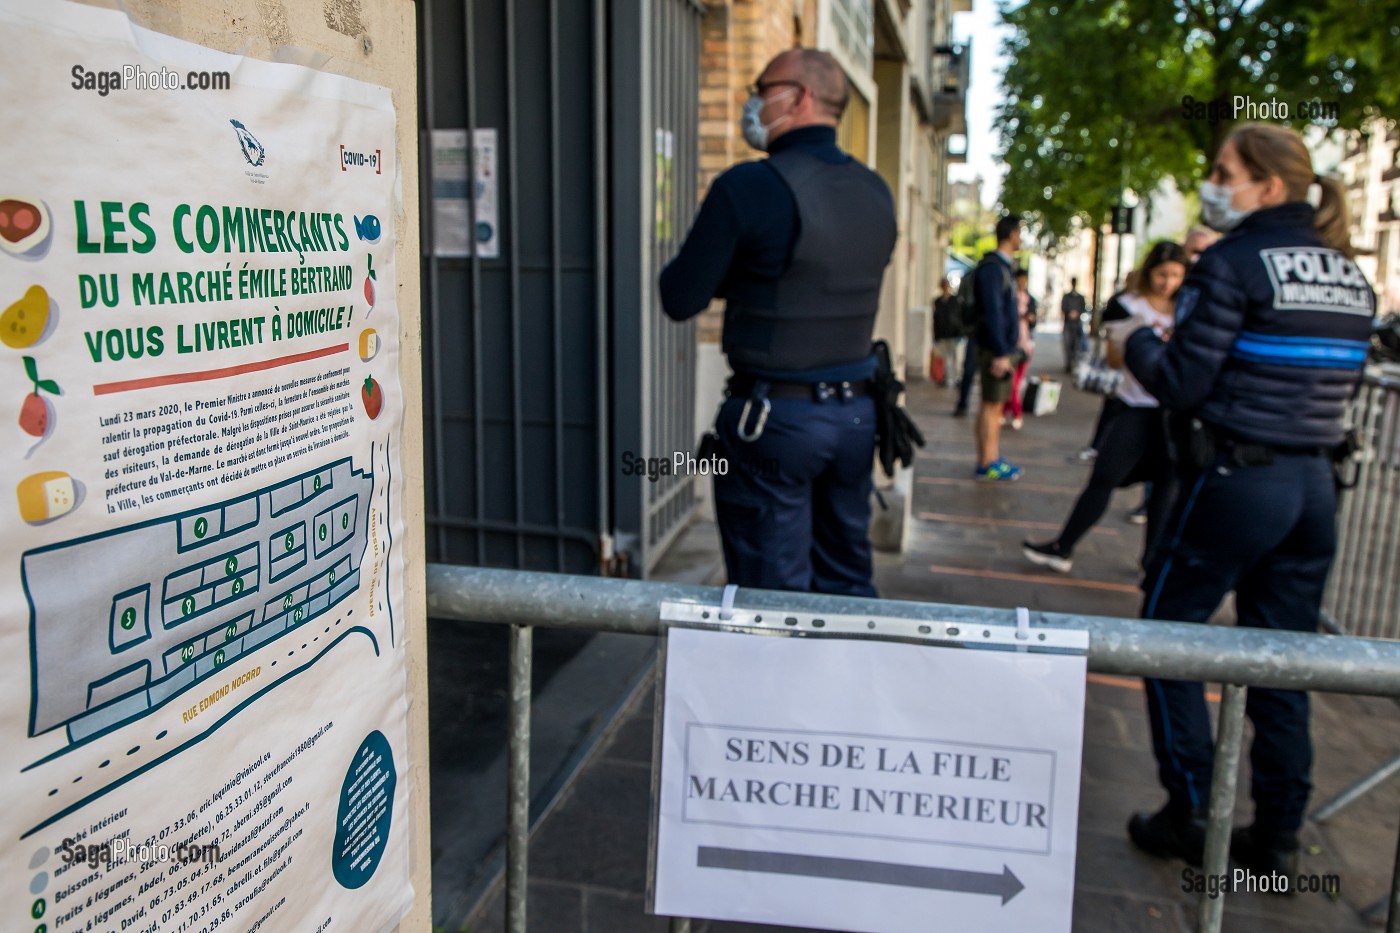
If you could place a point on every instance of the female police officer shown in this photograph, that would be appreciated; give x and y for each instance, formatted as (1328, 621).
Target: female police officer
(1270, 341)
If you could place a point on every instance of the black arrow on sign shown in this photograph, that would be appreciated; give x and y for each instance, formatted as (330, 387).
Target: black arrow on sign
(1005, 885)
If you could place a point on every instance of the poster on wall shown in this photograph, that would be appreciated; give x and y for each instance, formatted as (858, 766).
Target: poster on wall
(458, 225)
(201, 653)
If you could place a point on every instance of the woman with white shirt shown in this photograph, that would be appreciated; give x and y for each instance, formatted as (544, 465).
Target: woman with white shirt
(1133, 445)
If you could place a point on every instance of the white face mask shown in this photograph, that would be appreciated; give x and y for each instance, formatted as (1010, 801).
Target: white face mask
(1217, 206)
(751, 121)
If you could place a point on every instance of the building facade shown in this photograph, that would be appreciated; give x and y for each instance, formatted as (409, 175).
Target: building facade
(1370, 171)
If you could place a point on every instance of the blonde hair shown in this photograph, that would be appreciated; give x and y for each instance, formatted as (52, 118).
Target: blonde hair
(1269, 150)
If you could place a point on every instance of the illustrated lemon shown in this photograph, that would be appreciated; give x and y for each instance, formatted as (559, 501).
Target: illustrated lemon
(23, 323)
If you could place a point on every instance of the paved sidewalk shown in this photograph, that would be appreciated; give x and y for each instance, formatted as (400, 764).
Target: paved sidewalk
(588, 857)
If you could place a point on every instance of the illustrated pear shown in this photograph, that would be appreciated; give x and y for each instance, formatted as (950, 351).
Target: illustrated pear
(23, 323)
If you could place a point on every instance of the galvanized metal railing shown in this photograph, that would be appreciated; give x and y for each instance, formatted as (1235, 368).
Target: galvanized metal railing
(1363, 591)
(1236, 657)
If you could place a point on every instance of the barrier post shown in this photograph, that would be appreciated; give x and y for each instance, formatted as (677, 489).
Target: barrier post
(1222, 802)
(518, 778)
(1392, 923)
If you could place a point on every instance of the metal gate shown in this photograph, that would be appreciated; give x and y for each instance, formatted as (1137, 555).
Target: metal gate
(655, 127)
(543, 355)
(1363, 590)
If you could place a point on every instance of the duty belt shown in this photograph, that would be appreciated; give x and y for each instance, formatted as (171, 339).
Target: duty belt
(1246, 455)
(741, 385)
(754, 389)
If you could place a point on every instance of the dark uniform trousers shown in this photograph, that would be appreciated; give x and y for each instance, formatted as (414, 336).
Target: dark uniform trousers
(794, 508)
(1268, 533)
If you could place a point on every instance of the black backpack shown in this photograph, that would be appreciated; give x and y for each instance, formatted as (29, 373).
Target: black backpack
(967, 295)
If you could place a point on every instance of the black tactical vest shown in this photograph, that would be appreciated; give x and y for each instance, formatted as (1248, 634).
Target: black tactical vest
(828, 297)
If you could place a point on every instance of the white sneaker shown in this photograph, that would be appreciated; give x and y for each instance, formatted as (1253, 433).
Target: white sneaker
(1047, 555)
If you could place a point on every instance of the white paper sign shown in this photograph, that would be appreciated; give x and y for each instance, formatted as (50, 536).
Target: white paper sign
(453, 231)
(202, 649)
(868, 786)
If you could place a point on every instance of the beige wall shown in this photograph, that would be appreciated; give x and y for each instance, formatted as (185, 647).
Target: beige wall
(374, 41)
(892, 156)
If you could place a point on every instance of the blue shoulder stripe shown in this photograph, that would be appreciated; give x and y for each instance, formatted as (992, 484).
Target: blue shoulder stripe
(1319, 341)
(1349, 356)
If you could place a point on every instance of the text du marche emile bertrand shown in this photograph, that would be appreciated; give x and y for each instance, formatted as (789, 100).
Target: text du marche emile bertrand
(116, 227)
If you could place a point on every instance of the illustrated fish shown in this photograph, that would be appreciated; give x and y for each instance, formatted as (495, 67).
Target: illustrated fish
(367, 228)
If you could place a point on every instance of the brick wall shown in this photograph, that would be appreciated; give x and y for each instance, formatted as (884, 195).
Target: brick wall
(738, 37)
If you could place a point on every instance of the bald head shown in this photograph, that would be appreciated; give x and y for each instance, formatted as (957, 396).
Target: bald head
(821, 75)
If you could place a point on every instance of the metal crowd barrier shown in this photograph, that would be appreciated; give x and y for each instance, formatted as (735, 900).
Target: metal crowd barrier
(1363, 592)
(1236, 657)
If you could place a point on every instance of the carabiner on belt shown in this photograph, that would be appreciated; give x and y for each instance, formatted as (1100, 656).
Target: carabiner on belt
(760, 392)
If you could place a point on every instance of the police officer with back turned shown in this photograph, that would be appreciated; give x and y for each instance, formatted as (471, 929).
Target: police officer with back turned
(797, 245)
(1270, 341)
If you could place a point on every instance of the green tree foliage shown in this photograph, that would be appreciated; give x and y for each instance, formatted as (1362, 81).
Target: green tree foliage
(972, 240)
(1095, 89)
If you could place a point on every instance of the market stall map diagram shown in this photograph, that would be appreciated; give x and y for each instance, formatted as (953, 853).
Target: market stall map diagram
(215, 583)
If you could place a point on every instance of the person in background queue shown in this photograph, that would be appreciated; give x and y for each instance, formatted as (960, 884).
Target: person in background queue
(1027, 311)
(797, 246)
(1133, 446)
(948, 338)
(1270, 341)
(998, 347)
(1073, 334)
(1197, 240)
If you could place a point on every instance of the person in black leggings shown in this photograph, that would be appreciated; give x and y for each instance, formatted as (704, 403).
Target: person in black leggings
(1132, 447)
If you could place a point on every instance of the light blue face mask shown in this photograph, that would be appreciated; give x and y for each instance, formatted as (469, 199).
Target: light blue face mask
(1217, 206)
(751, 122)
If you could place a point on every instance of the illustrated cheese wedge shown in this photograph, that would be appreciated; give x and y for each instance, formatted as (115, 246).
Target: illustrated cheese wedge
(369, 344)
(44, 496)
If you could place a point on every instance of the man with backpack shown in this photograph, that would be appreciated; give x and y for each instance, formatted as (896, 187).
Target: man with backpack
(988, 296)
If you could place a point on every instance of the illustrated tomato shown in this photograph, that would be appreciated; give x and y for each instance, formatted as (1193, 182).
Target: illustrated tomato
(369, 280)
(35, 414)
(373, 397)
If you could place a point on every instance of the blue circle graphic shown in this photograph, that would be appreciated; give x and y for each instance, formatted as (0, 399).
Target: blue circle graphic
(366, 809)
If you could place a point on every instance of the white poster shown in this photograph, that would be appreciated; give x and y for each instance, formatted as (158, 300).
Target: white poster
(868, 786)
(202, 641)
(454, 232)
